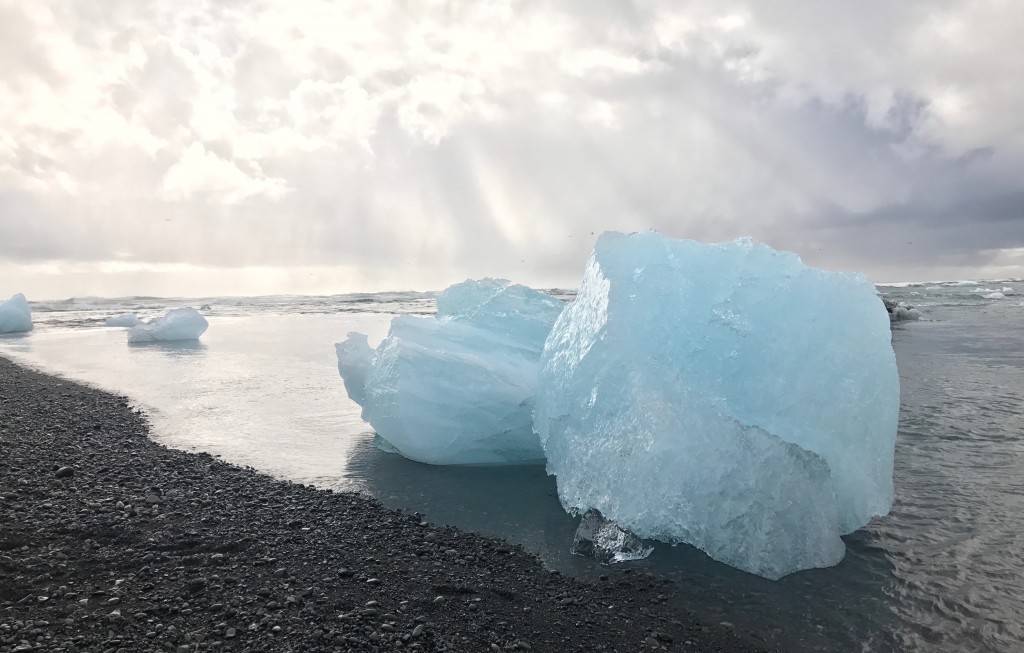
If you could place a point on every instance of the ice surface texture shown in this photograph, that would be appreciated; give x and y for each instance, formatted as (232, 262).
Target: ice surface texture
(606, 542)
(15, 315)
(123, 320)
(724, 395)
(176, 324)
(456, 388)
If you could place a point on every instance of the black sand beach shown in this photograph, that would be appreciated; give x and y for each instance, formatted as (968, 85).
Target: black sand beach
(112, 542)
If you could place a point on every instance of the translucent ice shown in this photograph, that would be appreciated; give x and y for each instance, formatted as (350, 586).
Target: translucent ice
(176, 324)
(456, 388)
(15, 315)
(726, 396)
(123, 320)
(606, 542)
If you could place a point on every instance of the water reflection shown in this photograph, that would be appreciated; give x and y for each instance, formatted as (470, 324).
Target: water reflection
(16, 343)
(517, 502)
(172, 348)
(804, 611)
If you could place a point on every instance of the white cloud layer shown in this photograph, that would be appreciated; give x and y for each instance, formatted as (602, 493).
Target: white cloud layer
(412, 144)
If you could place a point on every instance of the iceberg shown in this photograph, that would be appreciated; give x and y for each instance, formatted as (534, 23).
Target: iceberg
(123, 320)
(15, 315)
(726, 396)
(900, 311)
(176, 324)
(456, 388)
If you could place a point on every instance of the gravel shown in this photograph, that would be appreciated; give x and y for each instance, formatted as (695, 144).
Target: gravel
(111, 542)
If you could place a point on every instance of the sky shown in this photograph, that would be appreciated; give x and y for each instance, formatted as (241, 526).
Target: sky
(244, 147)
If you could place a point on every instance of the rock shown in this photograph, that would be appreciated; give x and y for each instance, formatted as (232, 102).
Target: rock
(65, 472)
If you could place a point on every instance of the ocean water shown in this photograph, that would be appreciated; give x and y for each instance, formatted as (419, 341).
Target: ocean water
(943, 572)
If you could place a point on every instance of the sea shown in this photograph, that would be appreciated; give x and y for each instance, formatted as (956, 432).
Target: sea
(944, 571)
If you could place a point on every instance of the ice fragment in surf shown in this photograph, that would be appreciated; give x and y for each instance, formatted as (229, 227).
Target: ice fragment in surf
(456, 388)
(123, 320)
(606, 542)
(15, 315)
(176, 324)
(900, 311)
(726, 396)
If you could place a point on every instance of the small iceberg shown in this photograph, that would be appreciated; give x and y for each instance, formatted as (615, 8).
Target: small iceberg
(456, 388)
(123, 320)
(176, 325)
(15, 315)
(606, 542)
(900, 311)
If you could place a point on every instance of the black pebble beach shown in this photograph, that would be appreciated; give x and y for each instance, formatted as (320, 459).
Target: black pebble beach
(112, 542)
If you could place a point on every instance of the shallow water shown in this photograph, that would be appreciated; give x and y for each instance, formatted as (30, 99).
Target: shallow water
(942, 572)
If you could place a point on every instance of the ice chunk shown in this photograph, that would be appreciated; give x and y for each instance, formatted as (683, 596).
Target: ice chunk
(15, 315)
(123, 320)
(456, 388)
(606, 542)
(354, 360)
(723, 395)
(900, 311)
(176, 324)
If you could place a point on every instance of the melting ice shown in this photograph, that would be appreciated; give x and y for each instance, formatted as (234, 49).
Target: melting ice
(123, 320)
(176, 324)
(15, 315)
(456, 388)
(727, 396)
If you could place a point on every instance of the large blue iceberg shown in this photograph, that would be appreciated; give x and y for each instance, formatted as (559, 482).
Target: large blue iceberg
(15, 315)
(456, 388)
(726, 396)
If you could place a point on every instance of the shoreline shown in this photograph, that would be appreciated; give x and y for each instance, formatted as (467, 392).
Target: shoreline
(109, 540)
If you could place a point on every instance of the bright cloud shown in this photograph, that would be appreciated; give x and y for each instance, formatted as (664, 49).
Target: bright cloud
(421, 143)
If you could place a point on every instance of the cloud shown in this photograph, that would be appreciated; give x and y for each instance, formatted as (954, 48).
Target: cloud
(427, 142)
(203, 173)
